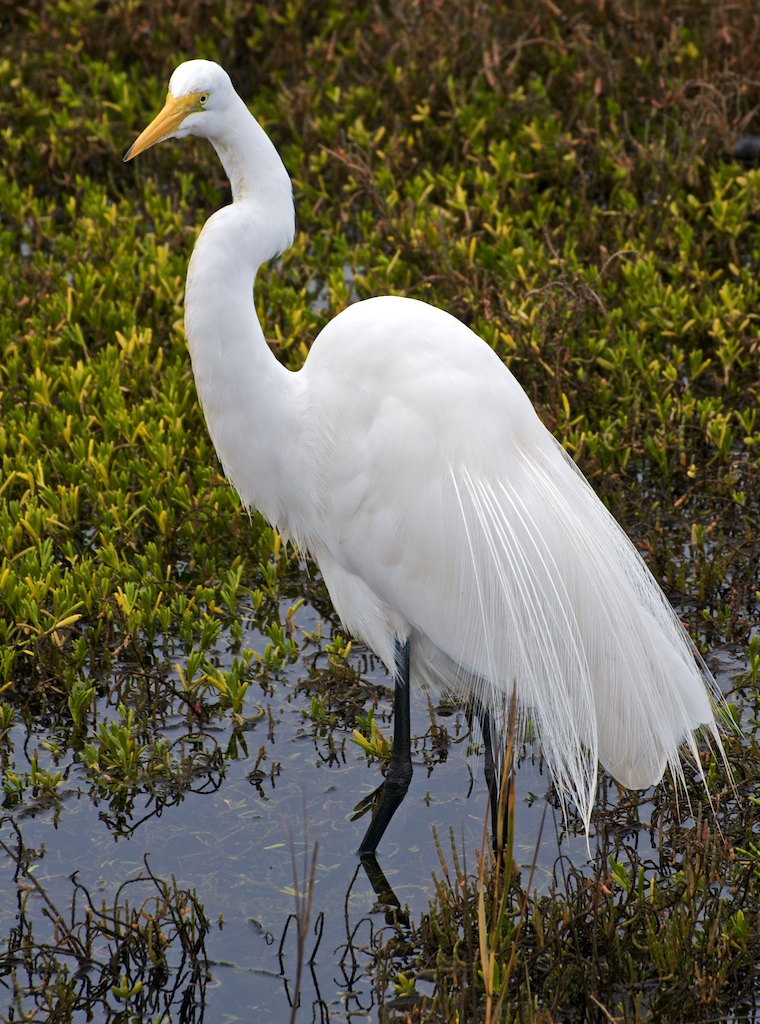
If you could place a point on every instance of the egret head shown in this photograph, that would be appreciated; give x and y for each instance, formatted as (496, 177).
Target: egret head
(199, 92)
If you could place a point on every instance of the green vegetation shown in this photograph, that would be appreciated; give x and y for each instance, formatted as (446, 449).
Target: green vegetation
(556, 175)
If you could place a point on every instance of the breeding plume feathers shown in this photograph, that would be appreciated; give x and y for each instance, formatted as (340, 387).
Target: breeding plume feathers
(562, 608)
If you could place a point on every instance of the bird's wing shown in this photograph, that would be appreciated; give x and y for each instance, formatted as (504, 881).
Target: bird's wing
(457, 517)
(598, 654)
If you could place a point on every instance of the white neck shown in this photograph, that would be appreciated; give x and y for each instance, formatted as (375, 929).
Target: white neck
(254, 407)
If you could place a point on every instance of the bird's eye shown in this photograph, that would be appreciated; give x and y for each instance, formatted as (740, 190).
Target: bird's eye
(203, 99)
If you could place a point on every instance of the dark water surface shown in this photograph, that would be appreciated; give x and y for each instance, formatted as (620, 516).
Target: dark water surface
(235, 845)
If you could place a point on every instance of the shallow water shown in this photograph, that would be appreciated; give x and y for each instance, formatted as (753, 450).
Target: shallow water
(236, 844)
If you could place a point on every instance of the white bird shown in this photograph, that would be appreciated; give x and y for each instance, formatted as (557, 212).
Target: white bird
(454, 534)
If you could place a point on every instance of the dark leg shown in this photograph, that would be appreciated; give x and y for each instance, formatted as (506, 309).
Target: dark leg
(399, 773)
(484, 717)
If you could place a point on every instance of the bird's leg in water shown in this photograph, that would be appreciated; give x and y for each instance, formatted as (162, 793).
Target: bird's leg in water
(484, 720)
(399, 773)
(484, 717)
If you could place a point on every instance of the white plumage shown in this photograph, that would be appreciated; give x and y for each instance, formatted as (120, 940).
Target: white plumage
(408, 461)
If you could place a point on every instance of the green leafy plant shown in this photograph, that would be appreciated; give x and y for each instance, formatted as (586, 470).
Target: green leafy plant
(117, 750)
(370, 739)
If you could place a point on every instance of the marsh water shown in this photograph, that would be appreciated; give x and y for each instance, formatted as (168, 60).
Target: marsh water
(243, 842)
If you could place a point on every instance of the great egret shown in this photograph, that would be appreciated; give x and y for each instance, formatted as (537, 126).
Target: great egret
(453, 533)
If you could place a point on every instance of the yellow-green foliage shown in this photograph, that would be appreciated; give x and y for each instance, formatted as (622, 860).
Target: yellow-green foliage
(570, 201)
(558, 175)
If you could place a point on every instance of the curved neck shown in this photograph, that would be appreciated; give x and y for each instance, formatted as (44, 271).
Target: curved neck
(257, 175)
(253, 405)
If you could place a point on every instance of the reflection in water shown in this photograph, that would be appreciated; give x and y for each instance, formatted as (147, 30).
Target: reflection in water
(143, 948)
(177, 895)
(245, 797)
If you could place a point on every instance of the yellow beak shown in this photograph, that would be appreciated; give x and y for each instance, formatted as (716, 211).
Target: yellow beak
(165, 124)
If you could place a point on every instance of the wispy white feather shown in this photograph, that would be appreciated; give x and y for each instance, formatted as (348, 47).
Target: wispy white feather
(563, 609)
